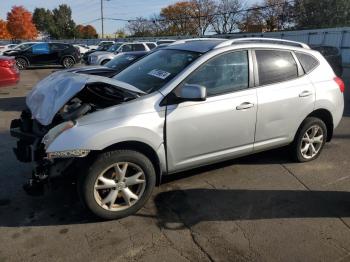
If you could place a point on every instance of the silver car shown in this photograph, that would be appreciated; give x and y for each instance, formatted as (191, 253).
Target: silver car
(103, 57)
(190, 104)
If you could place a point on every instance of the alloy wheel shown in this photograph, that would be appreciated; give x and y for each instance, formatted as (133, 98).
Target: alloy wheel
(21, 63)
(119, 186)
(68, 62)
(311, 142)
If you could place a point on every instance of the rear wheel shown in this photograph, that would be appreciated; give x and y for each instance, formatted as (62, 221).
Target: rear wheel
(68, 62)
(309, 140)
(21, 63)
(117, 184)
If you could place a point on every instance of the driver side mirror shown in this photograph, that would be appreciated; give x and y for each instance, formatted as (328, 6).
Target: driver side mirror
(193, 93)
(187, 92)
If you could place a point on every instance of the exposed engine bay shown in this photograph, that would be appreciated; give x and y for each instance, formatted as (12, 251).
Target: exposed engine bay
(33, 126)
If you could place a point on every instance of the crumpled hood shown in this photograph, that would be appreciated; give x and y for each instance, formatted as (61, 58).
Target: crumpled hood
(54, 91)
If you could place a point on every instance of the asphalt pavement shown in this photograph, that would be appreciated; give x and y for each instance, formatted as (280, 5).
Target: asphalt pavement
(262, 207)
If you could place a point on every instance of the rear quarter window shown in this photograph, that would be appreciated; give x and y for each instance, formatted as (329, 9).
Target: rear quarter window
(151, 45)
(308, 62)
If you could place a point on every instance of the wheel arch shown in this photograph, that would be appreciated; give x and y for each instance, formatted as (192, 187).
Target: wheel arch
(104, 61)
(143, 148)
(70, 56)
(327, 118)
(23, 57)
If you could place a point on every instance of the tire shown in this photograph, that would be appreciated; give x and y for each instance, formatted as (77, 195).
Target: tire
(104, 192)
(68, 62)
(21, 63)
(104, 62)
(308, 145)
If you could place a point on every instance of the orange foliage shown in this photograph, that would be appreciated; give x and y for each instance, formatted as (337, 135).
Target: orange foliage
(177, 15)
(87, 31)
(4, 33)
(20, 24)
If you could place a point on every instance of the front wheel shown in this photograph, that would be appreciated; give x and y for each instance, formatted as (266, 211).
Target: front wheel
(68, 62)
(117, 184)
(309, 140)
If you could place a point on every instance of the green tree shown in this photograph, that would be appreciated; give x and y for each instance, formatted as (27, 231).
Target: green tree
(321, 13)
(65, 26)
(44, 21)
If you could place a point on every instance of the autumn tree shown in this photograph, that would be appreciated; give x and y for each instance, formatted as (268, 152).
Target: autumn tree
(86, 32)
(179, 18)
(203, 14)
(20, 24)
(227, 16)
(4, 33)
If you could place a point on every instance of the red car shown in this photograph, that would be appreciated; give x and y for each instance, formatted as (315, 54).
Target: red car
(9, 73)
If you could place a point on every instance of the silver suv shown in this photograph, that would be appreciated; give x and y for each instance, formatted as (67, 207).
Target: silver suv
(190, 104)
(103, 57)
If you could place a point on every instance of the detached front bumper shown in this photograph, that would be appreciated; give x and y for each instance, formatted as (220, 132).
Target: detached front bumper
(28, 147)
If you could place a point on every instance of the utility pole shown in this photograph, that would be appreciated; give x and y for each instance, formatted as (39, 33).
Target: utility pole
(102, 18)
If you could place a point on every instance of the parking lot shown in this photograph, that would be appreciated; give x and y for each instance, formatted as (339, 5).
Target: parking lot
(258, 208)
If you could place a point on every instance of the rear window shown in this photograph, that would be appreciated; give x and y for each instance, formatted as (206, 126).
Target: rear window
(308, 62)
(275, 66)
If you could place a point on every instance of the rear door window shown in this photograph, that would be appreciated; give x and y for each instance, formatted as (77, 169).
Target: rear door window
(58, 46)
(308, 62)
(275, 66)
(39, 49)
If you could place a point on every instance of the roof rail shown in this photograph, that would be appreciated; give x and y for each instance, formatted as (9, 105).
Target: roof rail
(182, 41)
(262, 40)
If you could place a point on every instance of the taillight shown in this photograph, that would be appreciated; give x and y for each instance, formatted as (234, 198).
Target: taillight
(7, 63)
(340, 83)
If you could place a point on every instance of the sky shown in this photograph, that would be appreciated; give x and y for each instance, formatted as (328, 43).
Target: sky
(84, 11)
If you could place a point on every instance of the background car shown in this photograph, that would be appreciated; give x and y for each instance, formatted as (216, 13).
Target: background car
(100, 58)
(4, 48)
(45, 54)
(9, 73)
(333, 56)
(113, 67)
(82, 49)
(103, 47)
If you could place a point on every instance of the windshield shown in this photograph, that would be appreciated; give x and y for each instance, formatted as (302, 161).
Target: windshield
(121, 61)
(157, 69)
(114, 47)
(23, 46)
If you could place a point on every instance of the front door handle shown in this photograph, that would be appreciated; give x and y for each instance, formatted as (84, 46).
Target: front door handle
(305, 93)
(245, 105)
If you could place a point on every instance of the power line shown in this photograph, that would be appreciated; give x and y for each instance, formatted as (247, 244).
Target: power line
(189, 17)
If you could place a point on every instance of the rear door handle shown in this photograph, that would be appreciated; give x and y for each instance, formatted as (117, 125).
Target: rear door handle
(305, 93)
(245, 105)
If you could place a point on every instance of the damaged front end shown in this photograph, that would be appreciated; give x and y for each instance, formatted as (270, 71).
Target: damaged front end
(53, 106)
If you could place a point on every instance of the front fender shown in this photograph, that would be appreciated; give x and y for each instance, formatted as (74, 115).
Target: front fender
(145, 128)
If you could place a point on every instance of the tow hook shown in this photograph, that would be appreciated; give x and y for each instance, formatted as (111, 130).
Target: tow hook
(35, 185)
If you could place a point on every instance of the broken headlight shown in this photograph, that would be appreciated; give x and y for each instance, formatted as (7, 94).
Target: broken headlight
(55, 132)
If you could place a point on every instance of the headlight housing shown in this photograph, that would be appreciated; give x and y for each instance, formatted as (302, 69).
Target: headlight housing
(55, 132)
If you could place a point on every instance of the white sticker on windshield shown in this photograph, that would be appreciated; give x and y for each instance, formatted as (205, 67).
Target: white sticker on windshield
(159, 73)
